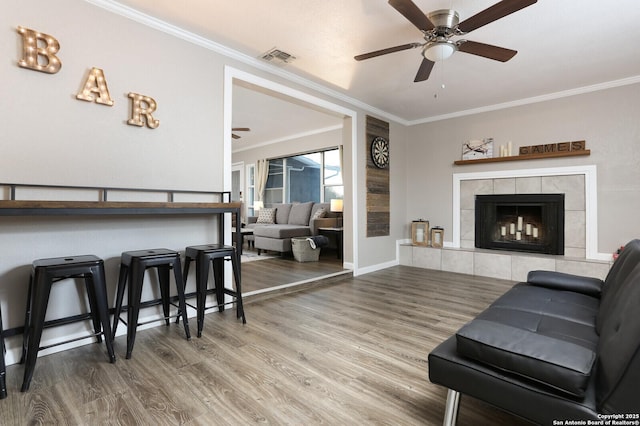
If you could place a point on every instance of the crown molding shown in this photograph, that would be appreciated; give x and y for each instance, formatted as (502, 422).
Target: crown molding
(290, 137)
(532, 100)
(150, 21)
(144, 19)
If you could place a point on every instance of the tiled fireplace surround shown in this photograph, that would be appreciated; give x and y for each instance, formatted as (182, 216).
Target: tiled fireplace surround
(460, 255)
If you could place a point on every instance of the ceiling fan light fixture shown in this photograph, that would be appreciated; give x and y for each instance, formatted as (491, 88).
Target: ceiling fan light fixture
(439, 50)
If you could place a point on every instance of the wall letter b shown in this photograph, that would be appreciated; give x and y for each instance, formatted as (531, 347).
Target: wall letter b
(38, 51)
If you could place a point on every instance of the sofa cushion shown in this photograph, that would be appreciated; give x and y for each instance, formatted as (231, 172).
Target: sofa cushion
(266, 216)
(573, 307)
(282, 212)
(618, 371)
(544, 335)
(555, 362)
(281, 231)
(300, 214)
(614, 282)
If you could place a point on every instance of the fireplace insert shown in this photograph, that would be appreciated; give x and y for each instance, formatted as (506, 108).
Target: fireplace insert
(520, 222)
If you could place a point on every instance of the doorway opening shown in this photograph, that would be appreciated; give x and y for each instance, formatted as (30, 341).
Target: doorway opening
(238, 81)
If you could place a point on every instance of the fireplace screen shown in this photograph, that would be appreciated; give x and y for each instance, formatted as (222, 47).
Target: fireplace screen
(520, 222)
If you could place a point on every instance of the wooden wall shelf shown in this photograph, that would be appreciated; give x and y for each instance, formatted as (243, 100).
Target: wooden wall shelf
(58, 208)
(524, 157)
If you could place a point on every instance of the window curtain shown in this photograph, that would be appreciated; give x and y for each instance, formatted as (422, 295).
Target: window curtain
(262, 173)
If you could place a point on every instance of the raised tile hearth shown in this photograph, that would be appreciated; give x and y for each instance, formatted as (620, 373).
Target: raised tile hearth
(504, 265)
(581, 256)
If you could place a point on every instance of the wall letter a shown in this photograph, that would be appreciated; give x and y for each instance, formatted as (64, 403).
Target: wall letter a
(95, 88)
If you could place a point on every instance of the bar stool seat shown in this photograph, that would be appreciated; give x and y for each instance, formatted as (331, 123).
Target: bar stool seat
(3, 367)
(214, 254)
(46, 272)
(133, 265)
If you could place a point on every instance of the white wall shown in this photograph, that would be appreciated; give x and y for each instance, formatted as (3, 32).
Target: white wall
(607, 120)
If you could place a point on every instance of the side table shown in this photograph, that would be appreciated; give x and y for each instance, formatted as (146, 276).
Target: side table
(243, 233)
(337, 233)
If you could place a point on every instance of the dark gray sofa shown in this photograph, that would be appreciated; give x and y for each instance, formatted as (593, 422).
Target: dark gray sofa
(558, 347)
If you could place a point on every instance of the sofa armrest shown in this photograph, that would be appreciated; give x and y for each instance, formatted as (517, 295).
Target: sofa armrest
(323, 222)
(561, 281)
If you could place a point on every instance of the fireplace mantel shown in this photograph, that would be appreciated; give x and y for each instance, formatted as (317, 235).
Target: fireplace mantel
(545, 155)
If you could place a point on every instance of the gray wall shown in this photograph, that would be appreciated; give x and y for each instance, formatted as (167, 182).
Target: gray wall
(50, 137)
(607, 120)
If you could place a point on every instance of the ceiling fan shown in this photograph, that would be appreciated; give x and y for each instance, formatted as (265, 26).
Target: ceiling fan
(440, 26)
(239, 129)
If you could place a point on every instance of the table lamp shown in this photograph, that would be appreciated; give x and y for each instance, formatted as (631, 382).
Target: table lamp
(336, 206)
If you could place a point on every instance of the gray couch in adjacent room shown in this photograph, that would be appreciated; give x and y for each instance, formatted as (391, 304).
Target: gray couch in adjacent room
(291, 220)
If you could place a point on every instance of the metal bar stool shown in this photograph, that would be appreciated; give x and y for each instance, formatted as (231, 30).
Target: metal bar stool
(214, 254)
(3, 367)
(133, 265)
(46, 272)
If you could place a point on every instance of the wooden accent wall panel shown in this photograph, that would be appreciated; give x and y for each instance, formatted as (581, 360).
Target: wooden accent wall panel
(377, 181)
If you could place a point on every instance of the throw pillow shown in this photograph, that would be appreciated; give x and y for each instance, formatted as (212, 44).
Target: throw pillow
(266, 216)
(320, 213)
(300, 214)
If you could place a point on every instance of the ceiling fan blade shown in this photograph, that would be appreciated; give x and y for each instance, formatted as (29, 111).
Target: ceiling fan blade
(493, 13)
(487, 50)
(386, 51)
(409, 10)
(235, 136)
(241, 129)
(424, 71)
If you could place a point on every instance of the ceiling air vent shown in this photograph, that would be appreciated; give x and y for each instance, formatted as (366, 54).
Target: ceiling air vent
(277, 57)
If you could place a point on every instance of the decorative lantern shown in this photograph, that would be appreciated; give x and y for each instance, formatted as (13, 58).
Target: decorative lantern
(437, 236)
(420, 232)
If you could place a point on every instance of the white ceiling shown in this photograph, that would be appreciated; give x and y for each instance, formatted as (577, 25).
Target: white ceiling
(273, 117)
(563, 47)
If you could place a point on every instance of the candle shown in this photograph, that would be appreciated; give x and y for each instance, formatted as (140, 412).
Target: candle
(503, 231)
(519, 223)
(535, 232)
(420, 235)
(512, 228)
(518, 236)
(509, 149)
(528, 229)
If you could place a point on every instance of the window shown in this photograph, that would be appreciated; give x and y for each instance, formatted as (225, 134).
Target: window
(332, 181)
(315, 176)
(303, 178)
(251, 189)
(274, 188)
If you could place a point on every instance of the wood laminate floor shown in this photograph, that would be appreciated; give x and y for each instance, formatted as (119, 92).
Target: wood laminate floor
(353, 352)
(259, 275)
